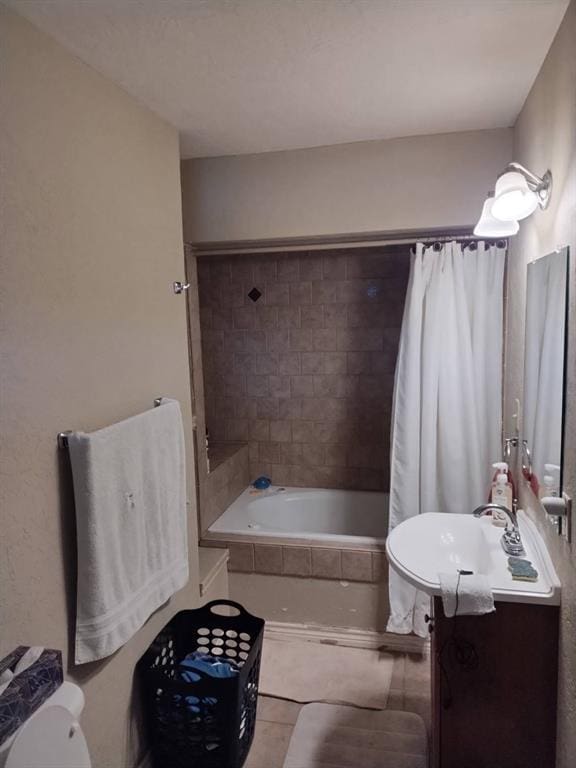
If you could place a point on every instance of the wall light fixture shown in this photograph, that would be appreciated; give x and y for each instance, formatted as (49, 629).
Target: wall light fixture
(489, 226)
(517, 194)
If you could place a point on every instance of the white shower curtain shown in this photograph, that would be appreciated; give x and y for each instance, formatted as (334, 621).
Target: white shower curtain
(446, 422)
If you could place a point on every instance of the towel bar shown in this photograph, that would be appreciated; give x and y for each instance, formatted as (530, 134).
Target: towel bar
(63, 436)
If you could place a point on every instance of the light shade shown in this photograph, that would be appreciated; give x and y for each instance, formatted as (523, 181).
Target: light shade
(513, 198)
(489, 226)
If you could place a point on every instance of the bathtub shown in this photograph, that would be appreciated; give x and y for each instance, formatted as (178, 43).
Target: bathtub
(314, 516)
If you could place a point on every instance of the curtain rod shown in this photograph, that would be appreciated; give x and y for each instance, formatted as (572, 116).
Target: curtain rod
(329, 242)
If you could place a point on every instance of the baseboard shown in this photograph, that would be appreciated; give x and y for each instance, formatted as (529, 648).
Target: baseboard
(352, 638)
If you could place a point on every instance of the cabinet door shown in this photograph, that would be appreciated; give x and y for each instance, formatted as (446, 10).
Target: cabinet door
(494, 688)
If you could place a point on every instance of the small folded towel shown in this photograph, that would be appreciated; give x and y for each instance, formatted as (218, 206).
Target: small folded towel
(131, 521)
(466, 594)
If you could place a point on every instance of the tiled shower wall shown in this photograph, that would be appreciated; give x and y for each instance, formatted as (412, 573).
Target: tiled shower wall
(304, 373)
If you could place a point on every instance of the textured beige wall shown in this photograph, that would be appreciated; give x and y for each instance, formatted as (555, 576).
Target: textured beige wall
(545, 137)
(421, 182)
(91, 333)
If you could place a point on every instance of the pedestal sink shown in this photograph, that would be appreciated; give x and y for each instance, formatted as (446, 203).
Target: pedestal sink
(424, 546)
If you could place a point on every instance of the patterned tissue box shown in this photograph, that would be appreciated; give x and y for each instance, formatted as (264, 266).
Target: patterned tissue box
(28, 690)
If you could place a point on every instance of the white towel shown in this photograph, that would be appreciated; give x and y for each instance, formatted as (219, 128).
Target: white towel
(474, 594)
(130, 494)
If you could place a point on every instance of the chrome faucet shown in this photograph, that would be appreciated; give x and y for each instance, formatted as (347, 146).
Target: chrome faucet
(511, 540)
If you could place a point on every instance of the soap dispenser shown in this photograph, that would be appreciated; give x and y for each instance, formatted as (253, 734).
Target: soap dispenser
(501, 494)
(550, 482)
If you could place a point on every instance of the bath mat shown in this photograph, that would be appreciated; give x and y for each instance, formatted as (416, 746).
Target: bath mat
(308, 672)
(330, 736)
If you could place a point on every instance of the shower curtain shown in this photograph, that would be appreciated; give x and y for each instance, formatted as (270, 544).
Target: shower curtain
(447, 412)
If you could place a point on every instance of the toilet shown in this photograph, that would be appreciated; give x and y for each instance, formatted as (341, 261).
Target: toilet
(51, 737)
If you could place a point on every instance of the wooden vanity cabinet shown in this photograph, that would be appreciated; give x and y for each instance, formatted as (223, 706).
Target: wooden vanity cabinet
(494, 687)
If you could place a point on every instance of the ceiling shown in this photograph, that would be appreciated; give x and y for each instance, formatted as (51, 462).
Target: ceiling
(243, 76)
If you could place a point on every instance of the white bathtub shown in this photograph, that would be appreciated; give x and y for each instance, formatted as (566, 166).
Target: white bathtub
(346, 518)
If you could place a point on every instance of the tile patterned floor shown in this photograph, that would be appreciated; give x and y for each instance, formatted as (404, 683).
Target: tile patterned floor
(409, 691)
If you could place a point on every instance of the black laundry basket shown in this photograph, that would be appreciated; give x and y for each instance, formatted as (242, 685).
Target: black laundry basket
(209, 723)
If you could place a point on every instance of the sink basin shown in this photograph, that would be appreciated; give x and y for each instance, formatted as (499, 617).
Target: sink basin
(424, 546)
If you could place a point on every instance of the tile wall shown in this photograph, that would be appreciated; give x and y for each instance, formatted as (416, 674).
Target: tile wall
(317, 562)
(223, 475)
(228, 477)
(299, 351)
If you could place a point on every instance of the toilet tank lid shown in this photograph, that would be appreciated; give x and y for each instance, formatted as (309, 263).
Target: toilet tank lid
(50, 738)
(69, 696)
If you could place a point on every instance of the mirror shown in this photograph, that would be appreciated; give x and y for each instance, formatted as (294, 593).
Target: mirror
(545, 370)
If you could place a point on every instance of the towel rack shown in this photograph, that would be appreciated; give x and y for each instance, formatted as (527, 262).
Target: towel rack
(63, 436)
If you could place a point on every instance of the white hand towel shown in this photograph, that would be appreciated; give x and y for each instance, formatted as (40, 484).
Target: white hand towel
(130, 494)
(466, 594)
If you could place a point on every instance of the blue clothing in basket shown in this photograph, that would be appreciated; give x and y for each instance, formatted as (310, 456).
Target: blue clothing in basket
(209, 665)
